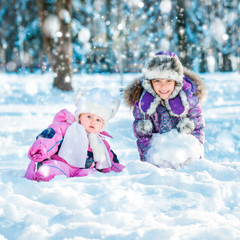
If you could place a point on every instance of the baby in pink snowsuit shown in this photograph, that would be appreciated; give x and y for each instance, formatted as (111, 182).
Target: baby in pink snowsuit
(75, 145)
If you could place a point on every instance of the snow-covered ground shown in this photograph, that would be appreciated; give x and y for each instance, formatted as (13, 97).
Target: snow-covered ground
(199, 201)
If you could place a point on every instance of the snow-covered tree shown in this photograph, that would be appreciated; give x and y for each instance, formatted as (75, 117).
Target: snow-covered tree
(214, 30)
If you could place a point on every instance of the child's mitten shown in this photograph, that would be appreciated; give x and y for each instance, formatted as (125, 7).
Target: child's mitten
(37, 152)
(186, 125)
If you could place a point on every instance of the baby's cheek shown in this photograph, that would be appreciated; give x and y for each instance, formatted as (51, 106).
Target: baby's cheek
(100, 125)
(84, 122)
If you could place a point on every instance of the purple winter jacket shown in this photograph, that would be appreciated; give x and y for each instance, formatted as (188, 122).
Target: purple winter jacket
(153, 115)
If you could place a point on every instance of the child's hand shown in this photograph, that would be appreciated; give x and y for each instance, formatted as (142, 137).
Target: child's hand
(37, 153)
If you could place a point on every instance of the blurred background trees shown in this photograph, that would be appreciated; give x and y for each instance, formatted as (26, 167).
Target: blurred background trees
(95, 36)
(55, 21)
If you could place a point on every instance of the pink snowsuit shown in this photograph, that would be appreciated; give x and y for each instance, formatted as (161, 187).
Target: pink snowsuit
(45, 151)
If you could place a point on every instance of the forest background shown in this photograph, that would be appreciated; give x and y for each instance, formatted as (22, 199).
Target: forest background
(113, 36)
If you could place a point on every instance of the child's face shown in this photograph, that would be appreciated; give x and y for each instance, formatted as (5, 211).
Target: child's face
(91, 122)
(163, 87)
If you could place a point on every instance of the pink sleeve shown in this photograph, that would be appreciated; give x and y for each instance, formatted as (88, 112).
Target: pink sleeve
(44, 147)
(64, 116)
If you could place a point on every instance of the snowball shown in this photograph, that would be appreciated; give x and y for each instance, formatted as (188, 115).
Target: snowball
(173, 149)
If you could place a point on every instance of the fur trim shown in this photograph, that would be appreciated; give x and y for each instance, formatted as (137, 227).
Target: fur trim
(177, 89)
(163, 66)
(185, 104)
(162, 74)
(147, 85)
(186, 125)
(144, 126)
(133, 92)
(201, 90)
(153, 105)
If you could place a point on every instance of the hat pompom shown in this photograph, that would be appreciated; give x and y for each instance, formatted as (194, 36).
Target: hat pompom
(116, 104)
(186, 125)
(144, 126)
(77, 96)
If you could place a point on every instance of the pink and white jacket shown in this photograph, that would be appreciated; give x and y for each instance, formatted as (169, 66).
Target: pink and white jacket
(48, 143)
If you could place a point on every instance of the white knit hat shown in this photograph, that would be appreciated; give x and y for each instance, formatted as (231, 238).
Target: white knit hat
(96, 101)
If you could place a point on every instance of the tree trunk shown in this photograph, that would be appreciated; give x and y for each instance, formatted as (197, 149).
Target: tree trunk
(47, 41)
(202, 61)
(59, 48)
(109, 35)
(227, 63)
(181, 32)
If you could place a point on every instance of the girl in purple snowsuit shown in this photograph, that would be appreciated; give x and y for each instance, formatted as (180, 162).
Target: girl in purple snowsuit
(167, 97)
(75, 145)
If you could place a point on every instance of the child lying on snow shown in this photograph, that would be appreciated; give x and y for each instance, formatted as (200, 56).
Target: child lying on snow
(168, 122)
(75, 145)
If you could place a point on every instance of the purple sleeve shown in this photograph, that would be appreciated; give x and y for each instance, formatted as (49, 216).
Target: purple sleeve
(195, 114)
(143, 139)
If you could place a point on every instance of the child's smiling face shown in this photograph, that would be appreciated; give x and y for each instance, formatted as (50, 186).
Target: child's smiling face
(163, 87)
(91, 122)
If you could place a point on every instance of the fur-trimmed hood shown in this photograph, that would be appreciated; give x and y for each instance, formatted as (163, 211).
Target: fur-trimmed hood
(134, 90)
(177, 106)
